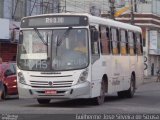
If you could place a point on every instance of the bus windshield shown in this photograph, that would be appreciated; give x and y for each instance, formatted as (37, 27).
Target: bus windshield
(53, 50)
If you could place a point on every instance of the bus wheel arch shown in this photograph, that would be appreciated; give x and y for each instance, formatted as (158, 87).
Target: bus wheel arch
(105, 79)
(134, 78)
(130, 92)
(104, 88)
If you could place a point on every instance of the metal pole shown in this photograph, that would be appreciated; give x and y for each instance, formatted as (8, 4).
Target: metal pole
(14, 12)
(135, 5)
(58, 7)
(65, 6)
(112, 9)
(132, 13)
(32, 7)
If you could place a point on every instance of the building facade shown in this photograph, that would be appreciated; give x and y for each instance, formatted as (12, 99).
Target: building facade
(11, 12)
(150, 24)
(147, 16)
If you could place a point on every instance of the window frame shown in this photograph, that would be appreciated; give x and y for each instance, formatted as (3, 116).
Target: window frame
(117, 41)
(103, 52)
(139, 44)
(133, 44)
(125, 42)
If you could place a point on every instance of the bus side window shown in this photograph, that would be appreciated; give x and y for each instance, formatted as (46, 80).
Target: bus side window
(139, 44)
(104, 40)
(123, 45)
(127, 44)
(131, 43)
(115, 41)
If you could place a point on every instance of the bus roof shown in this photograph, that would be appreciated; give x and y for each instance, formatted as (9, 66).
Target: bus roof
(97, 20)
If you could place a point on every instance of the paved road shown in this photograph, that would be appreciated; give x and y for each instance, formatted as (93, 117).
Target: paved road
(146, 100)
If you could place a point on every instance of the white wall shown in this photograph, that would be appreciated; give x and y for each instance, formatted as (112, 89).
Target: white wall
(4, 29)
(7, 13)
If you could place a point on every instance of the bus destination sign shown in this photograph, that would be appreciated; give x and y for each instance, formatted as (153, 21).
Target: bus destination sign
(54, 21)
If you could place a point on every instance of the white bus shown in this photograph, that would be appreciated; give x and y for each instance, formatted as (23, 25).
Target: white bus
(71, 56)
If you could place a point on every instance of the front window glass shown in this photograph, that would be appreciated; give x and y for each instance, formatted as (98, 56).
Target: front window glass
(53, 50)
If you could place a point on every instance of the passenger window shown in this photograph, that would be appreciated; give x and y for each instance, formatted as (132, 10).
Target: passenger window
(123, 45)
(131, 43)
(104, 37)
(115, 41)
(139, 44)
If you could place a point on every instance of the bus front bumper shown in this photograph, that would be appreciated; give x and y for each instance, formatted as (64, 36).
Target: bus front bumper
(76, 91)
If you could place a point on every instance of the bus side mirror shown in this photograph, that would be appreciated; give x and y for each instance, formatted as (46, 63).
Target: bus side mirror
(94, 35)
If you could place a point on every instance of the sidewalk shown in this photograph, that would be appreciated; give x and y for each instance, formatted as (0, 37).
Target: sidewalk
(148, 79)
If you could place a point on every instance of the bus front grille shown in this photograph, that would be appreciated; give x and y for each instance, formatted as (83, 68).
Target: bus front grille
(51, 84)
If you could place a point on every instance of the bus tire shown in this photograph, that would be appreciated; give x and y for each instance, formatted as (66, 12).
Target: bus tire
(43, 101)
(130, 92)
(121, 94)
(100, 99)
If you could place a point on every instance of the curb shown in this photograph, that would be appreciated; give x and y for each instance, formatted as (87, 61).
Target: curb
(150, 79)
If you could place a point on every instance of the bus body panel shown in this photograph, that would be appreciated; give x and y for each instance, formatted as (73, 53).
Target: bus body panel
(66, 87)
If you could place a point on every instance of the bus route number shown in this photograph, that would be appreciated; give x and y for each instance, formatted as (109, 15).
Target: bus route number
(55, 20)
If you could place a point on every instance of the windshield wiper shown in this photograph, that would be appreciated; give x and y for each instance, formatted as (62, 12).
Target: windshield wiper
(44, 42)
(59, 41)
(40, 36)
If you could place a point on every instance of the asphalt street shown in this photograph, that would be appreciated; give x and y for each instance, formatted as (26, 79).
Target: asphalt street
(146, 100)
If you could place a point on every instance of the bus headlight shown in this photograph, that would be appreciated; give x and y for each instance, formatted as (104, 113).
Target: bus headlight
(83, 76)
(21, 78)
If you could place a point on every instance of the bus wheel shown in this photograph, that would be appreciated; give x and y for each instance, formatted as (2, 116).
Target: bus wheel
(43, 101)
(131, 91)
(122, 94)
(100, 99)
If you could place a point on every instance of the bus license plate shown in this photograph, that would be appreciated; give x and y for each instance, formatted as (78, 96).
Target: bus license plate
(50, 92)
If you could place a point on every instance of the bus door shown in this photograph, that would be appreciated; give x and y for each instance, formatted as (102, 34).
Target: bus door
(96, 76)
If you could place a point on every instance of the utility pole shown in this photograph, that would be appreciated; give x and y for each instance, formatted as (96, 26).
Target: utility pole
(135, 5)
(132, 13)
(65, 6)
(58, 7)
(112, 9)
